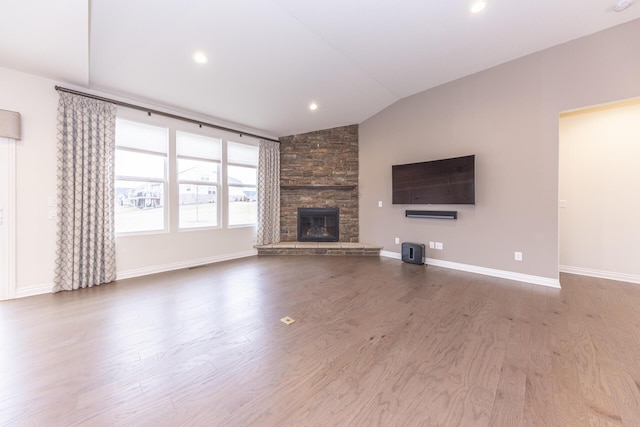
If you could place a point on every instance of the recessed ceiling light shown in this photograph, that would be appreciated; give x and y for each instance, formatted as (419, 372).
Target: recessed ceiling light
(478, 6)
(313, 106)
(200, 58)
(622, 5)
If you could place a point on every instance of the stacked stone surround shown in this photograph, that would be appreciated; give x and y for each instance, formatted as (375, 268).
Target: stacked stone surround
(320, 169)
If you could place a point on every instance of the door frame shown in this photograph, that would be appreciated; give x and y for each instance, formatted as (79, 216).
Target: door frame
(7, 227)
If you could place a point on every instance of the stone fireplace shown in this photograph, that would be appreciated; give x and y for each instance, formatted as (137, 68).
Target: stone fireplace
(320, 170)
(318, 174)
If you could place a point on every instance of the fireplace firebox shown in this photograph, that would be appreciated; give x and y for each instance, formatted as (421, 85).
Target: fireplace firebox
(318, 224)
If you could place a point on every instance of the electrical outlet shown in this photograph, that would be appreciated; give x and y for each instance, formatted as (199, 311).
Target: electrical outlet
(397, 240)
(52, 214)
(439, 246)
(379, 203)
(432, 245)
(518, 256)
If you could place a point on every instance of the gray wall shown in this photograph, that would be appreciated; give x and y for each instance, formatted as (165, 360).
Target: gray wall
(508, 117)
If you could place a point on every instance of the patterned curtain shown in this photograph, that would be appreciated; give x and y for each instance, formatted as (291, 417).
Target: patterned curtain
(268, 193)
(85, 252)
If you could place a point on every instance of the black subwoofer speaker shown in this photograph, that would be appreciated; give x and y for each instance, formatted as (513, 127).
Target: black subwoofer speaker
(413, 253)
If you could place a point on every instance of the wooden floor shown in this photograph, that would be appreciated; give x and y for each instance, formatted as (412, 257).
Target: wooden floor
(375, 342)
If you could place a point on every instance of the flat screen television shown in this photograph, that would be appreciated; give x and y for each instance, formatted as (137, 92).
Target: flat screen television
(437, 182)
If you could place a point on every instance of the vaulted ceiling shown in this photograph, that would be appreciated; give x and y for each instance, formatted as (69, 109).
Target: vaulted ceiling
(269, 59)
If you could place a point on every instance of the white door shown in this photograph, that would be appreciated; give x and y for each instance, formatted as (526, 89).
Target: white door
(7, 218)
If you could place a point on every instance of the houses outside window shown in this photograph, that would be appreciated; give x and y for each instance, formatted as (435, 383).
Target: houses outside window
(140, 177)
(242, 176)
(198, 171)
(169, 179)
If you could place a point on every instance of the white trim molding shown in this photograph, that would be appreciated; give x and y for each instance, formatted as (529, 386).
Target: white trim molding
(34, 290)
(48, 288)
(389, 254)
(622, 277)
(8, 228)
(519, 277)
(120, 275)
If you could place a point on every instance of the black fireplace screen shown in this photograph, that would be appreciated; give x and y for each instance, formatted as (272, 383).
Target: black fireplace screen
(318, 224)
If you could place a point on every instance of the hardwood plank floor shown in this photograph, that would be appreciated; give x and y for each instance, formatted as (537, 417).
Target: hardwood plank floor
(375, 342)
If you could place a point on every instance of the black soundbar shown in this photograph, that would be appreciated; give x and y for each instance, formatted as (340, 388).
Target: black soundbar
(432, 214)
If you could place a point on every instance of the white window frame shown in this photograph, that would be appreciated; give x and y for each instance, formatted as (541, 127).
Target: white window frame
(229, 185)
(171, 181)
(215, 184)
(164, 181)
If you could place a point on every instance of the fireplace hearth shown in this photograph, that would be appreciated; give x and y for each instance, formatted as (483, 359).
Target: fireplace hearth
(318, 224)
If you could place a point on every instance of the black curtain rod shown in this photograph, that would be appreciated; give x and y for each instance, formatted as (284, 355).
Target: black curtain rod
(160, 113)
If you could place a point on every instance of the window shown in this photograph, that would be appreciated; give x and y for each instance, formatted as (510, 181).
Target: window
(168, 179)
(140, 177)
(242, 162)
(198, 169)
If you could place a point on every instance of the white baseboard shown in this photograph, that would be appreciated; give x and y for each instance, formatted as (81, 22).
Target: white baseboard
(622, 277)
(537, 280)
(388, 254)
(519, 277)
(120, 275)
(48, 288)
(34, 290)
